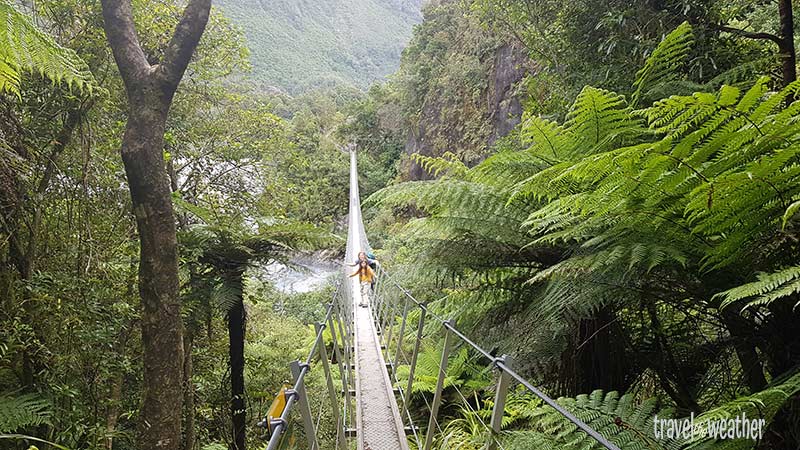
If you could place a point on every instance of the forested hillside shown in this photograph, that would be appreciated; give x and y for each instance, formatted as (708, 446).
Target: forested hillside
(606, 191)
(298, 45)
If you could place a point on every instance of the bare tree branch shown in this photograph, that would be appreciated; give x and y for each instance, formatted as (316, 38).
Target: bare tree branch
(750, 34)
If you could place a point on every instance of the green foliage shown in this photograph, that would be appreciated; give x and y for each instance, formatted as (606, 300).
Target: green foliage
(664, 63)
(26, 49)
(769, 288)
(610, 44)
(451, 82)
(622, 227)
(462, 372)
(620, 419)
(448, 164)
(761, 405)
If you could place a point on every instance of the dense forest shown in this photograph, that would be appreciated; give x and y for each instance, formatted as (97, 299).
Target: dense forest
(608, 191)
(299, 45)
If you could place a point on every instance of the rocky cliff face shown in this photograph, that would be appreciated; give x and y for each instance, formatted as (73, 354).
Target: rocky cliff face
(504, 103)
(469, 125)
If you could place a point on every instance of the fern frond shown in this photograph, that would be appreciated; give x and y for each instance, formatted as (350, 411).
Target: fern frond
(619, 419)
(663, 64)
(26, 49)
(599, 119)
(20, 411)
(761, 405)
(448, 164)
(769, 288)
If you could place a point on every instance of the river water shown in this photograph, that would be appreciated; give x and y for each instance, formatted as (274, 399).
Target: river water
(302, 276)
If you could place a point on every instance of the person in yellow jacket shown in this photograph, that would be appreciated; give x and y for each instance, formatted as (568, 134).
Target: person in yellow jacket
(365, 276)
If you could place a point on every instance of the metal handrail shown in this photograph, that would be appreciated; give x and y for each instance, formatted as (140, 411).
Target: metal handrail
(501, 363)
(297, 393)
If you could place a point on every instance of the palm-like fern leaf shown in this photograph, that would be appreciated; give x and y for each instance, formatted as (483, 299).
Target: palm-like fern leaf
(661, 67)
(448, 164)
(769, 288)
(761, 405)
(26, 49)
(618, 418)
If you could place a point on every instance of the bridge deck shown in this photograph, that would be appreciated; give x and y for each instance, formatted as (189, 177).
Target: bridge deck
(378, 422)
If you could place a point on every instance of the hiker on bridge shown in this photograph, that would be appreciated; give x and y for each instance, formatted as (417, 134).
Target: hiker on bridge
(371, 260)
(366, 276)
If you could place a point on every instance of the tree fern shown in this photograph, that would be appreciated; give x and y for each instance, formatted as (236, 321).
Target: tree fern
(761, 405)
(448, 164)
(21, 411)
(638, 211)
(599, 119)
(662, 65)
(619, 419)
(461, 372)
(26, 49)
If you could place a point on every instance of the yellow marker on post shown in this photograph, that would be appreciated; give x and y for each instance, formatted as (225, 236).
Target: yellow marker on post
(276, 409)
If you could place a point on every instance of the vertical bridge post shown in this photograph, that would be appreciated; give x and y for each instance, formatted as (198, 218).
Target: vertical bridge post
(437, 397)
(305, 409)
(413, 366)
(346, 364)
(503, 380)
(390, 319)
(323, 356)
(401, 333)
(336, 352)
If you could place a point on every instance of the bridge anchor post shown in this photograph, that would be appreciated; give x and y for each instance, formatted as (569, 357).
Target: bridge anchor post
(414, 354)
(503, 381)
(323, 356)
(305, 409)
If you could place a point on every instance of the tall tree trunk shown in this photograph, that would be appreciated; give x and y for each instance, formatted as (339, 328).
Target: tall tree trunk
(667, 368)
(752, 368)
(236, 330)
(150, 90)
(188, 395)
(786, 46)
(782, 336)
(158, 271)
(600, 363)
(112, 412)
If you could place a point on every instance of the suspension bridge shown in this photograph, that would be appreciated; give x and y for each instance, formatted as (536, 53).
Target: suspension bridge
(369, 403)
